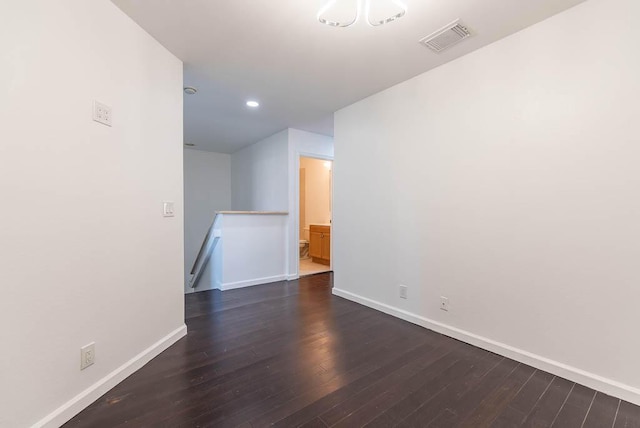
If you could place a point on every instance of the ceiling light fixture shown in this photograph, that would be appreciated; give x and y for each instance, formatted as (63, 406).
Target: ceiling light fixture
(253, 104)
(358, 8)
(190, 90)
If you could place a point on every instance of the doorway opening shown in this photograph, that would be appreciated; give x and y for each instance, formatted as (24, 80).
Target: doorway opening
(314, 218)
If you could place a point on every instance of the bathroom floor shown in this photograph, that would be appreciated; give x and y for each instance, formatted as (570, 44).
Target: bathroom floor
(308, 267)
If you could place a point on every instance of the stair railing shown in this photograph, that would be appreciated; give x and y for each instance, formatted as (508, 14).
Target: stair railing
(206, 250)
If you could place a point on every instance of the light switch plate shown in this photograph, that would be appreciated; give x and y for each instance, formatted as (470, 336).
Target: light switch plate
(102, 113)
(168, 209)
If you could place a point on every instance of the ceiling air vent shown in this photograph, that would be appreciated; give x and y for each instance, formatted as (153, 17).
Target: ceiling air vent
(446, 36)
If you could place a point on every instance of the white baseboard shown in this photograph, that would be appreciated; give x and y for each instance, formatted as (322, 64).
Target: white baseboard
(293, 277)
(74, 406)
(591, 380)
(251, 282)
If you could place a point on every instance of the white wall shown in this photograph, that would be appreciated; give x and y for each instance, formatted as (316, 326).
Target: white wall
(253, 249)
(507, 181)
(259, 175)
(318, 193)
(207, 189)
(86, 254)
(250, 249)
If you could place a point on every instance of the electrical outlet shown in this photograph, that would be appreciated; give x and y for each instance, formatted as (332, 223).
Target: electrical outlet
(87, 355)
(444, 303)
(403, 291)
(102, 113)
(168, 209)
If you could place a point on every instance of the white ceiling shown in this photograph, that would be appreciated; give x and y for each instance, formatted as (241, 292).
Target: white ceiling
(276, 52)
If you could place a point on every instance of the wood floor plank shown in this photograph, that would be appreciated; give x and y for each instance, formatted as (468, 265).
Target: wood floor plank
(300, 386)
(310, 395)
(278, 369)
(448, 396)
(331, 401)
(575, 409)
(225, 379)
(413, 401)
(314, 423)
(381, 366)
(365, 406)
(549, 405)
(524, 402)
(602, 412)
(483, 405)
(628, 416)
(291, 354)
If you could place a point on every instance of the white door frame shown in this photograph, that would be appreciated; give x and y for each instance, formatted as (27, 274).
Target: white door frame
(296, 205)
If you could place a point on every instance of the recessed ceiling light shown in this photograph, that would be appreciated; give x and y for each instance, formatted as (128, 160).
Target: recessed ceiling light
(253, 104)
(190, 90)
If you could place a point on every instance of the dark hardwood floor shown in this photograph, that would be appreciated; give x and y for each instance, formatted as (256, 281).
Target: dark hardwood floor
(291, 354)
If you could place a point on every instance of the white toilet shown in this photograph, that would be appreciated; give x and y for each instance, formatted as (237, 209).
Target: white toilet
(304, 249)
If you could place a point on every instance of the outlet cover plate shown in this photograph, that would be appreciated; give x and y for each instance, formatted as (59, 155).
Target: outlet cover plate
(87, 355)
(403, 291)
(444, 303)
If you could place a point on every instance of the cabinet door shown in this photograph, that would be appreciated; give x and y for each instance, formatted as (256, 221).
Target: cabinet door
(326, 246)
(315, 244)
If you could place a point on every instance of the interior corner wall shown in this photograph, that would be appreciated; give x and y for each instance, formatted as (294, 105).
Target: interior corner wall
(207, 189)
(507, 181)
(86, 253)
(259, 175)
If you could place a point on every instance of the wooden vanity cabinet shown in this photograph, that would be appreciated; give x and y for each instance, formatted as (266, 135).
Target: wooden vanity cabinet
(320, 244)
